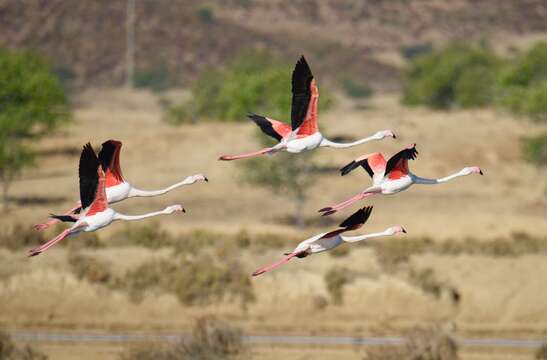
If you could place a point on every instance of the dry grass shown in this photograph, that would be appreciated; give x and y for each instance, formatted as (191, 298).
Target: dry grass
(10, 351)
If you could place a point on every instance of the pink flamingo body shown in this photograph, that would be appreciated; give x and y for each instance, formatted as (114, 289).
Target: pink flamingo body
(95, 213)
(117, 188)
(390, 177)
(303, 133)
(330, 240)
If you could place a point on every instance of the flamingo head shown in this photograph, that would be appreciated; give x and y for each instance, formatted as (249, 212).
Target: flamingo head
(396, 230)
(173, 208)
(471, 170)
(384, 133)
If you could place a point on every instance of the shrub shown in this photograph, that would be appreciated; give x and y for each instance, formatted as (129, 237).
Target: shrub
(444, 78)
(19, 236)
(340, 251)
(355, 88)
(9, 351)
(425, 279)
(432, 344)
(205, 280)
(149, 236)
(413, 51)
(205, 14)
(197, 280)
(395, 251)
(155, 78)
(211, 340)
(90, 269)
(541, 352)
(336, 278)
(33, 103)
(253, 81)
(319, 302)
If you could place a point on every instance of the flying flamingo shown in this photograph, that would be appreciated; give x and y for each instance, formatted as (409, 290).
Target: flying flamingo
(330, 240)
(303, 134)
(390, 177)
(117, 188)
(95, 212)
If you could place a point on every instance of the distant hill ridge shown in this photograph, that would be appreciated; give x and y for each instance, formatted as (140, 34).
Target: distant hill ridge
(342, 36)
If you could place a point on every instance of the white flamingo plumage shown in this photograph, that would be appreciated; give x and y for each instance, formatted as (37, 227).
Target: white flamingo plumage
(330, 240)
(390, 177)
(95, 213)
(117, 188)
(303, 133)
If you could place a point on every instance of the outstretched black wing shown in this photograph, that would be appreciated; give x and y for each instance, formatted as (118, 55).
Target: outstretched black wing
(107, 153)
(358, 218)
(401, 157)
(265, 125)
(63, 218)
(354, 165)
(89, 178)
(301, 92)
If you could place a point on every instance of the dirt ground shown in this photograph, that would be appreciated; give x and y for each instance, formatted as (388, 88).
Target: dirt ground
(499, 296)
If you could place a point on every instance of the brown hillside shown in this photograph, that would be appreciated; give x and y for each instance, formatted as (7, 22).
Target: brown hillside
(88, 37)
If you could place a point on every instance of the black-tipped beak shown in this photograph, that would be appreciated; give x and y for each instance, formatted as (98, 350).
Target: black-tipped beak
(404, 230)
(205, 178)
(480, 172)
(183, 210)
(394, 136)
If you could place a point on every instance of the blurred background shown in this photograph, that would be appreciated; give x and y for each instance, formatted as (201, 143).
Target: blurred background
(174, 80)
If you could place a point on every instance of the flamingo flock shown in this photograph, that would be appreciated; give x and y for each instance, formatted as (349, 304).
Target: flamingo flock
(102, 182)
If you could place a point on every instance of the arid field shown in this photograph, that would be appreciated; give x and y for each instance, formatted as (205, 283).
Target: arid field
(477, 293)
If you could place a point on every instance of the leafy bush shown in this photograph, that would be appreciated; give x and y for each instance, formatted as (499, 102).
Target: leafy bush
(535, 149)
(205, 14)
(355, 88)
(336, 278)
(154, 275)
(396, 250)
(9, 351)
(431, 344)
(211, 340)
(458, 75)
(155, 78)
(32, 104)
(253, 81)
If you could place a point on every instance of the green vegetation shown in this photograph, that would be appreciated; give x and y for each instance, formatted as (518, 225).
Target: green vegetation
(211, 340)
(10, 351)
(205, 14)
(355, 88)
(284, 174)
(458, 75)
(32, 104)
(535, 149)
(467, 76)
(150, 236)
(253, 81)
(541, 353)
(523, 83)
(156, 78)
(335, 279)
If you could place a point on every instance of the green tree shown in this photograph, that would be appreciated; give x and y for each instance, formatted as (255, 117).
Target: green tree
(32, 104)
(289, 174)
(459, 75)
(253, 81)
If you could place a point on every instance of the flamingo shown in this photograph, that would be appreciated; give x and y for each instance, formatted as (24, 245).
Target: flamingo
(303, 134)
(390, 177)
(95, 213)
(117, 188)
(330, 240)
